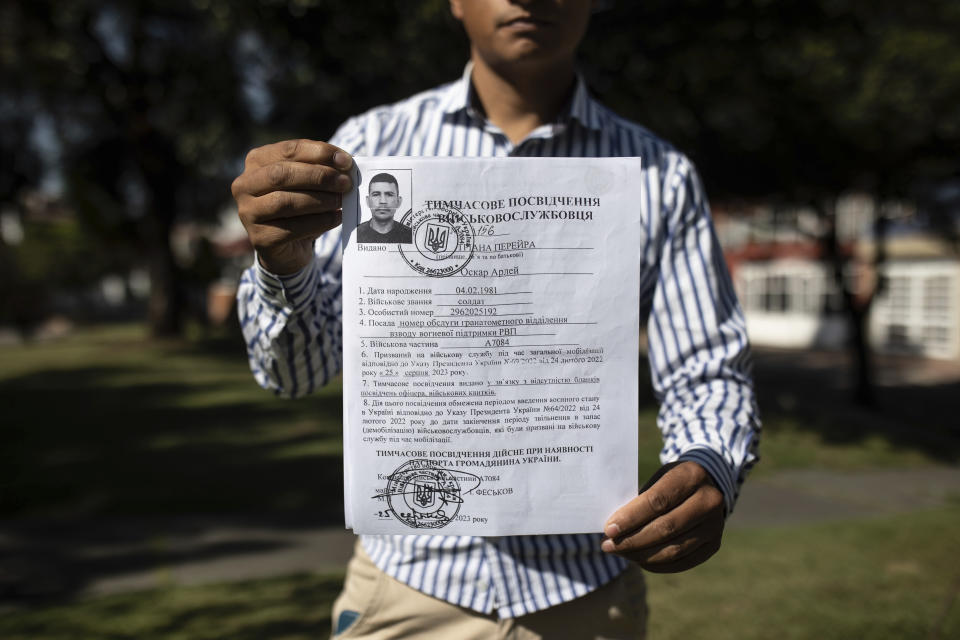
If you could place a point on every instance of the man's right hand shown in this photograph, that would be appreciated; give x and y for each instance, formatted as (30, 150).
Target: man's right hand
(287, 196)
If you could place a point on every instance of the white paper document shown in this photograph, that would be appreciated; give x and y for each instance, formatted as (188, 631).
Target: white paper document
(490, 327)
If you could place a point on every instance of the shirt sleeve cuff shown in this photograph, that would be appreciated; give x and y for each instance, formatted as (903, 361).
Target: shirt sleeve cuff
(292, 291)
(720, 471)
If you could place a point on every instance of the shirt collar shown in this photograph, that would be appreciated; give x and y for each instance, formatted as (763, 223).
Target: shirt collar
(582, 107)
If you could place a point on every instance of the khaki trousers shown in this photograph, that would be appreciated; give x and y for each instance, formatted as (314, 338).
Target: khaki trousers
(388, 608)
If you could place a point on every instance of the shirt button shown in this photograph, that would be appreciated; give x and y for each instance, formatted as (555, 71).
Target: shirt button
(482, 585)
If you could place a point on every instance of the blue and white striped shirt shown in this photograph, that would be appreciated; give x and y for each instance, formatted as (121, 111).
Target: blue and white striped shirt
(697, 342)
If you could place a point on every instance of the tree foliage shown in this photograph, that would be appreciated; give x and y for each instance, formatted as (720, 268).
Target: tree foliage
(794, 98)
(154, 102)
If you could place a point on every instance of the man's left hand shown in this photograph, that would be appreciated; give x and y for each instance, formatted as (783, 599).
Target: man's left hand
(673, 525)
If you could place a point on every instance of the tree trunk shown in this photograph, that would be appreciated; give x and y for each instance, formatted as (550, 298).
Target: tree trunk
(856, 307)
(863, 357)
(166, 304)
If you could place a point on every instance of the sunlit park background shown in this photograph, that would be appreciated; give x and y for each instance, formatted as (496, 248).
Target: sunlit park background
(149, 489)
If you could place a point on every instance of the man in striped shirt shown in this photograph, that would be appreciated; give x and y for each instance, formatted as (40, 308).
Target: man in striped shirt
(519, 96)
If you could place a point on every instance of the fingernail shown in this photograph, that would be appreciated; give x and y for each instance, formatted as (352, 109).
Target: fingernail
(343, 181)
(342, 160)
(607, 546)
(612, 530)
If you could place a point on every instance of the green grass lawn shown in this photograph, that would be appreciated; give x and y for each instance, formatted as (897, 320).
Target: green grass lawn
(886, 579)
(110, 422)
(289, 607)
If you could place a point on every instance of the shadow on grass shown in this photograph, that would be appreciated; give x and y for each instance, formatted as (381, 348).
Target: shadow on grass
(295, 606)
(810, 392)
(813, 393)
(140, 440)
(100, 458)
(36, 569)
(77, 442)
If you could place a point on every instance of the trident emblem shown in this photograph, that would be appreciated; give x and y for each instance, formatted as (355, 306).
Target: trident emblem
(425, 494)
(437, 236)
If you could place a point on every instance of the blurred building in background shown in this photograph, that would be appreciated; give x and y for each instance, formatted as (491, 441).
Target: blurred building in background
(787, 285)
